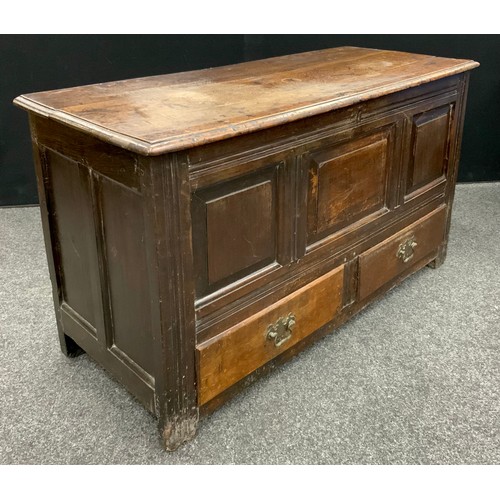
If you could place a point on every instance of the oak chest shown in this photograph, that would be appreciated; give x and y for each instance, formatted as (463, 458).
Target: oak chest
(202, 227)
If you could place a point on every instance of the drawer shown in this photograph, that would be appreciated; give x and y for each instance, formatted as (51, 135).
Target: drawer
(238, 351)
(393, 256)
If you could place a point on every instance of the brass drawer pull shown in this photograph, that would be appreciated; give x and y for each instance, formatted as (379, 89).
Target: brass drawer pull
(405, 250)
(281, 331)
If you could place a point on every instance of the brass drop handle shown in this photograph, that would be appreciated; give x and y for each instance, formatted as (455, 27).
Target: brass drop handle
(281, 331)
(405, 250)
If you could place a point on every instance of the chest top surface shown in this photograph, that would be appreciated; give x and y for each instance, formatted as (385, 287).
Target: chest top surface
(159, 114)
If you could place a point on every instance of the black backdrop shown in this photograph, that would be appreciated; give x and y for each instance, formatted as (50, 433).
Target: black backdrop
(30, 63)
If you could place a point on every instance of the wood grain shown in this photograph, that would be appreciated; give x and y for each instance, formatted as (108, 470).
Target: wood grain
(430, 143)
(239, 351)
(381, 263)
(235, 240)
(168, 270)
(158, 114)
(235, 228)
(169, 261)
(347, 183)
(349, 130)
(77, 252)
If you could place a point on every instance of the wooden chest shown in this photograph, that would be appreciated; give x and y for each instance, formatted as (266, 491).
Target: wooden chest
(202, 227)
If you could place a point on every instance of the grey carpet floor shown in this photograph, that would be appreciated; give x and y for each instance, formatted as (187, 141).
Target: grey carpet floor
(413, 379)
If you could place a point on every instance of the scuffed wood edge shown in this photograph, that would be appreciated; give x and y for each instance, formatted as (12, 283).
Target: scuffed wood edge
(116, 138)
(168, 246)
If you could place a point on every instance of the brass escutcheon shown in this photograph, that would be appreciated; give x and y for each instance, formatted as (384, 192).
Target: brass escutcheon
(405, 250)
(281, 331)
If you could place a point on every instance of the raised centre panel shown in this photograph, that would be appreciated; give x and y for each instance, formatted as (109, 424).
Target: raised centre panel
(430, 143)
(74, 241)
(348, 183)
(126, 282)
(236, 229)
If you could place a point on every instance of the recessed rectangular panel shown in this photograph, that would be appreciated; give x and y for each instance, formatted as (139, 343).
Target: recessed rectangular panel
(126, 270)
(429, 148)
(235, 227)
(240, 230)
(346, 183)
(74, 227)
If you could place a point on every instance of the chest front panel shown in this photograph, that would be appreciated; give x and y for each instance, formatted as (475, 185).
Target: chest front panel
(310, 200)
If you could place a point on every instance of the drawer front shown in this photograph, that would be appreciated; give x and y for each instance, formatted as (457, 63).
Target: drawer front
(393, 256)
(237, 352)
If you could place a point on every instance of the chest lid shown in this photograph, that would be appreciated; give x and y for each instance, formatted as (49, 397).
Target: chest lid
(159, 114)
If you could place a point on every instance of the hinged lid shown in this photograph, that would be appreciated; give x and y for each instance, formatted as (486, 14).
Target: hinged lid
(158, 114)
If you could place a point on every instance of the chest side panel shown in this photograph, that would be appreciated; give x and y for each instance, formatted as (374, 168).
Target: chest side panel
(96, 231)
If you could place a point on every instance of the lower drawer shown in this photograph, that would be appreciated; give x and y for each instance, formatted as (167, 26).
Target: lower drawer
(238, 351)
(393, 256)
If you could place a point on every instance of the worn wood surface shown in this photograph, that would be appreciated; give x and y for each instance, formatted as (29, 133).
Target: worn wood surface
(382, 263)
(344, 315)
(430, 136)
(168, 270)
(169, 255)
(91, 209)
(158, 114)
(242, 349)
(364, 195)
(218, 213)
(347, 183)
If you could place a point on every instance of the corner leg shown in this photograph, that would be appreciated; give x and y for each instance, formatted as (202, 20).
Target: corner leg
(69, 347)
(178, 430)
(440, 258)
(169, 251)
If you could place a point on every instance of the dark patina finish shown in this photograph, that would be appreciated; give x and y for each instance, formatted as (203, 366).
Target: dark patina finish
(203, 227)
